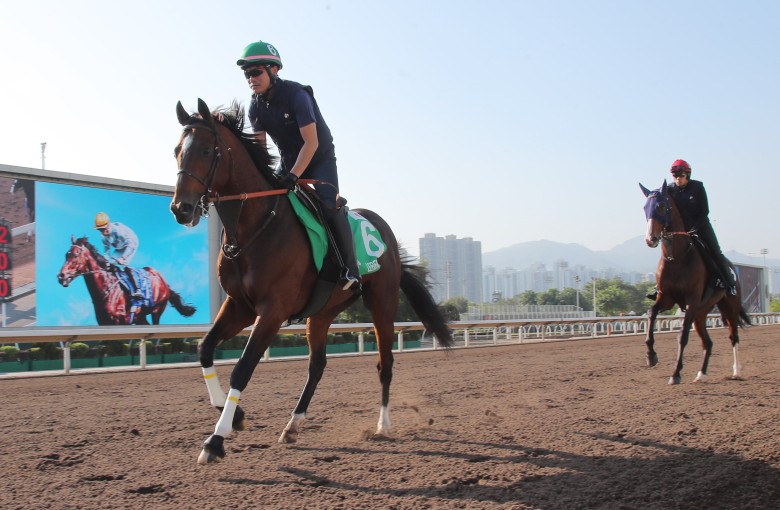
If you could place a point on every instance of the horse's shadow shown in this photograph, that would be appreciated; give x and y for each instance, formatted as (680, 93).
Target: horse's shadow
(673, 476)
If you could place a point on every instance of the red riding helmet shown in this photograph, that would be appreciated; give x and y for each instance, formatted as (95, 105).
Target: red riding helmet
(681, 166)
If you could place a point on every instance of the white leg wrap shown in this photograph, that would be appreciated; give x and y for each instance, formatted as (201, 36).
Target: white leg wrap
(225, 424)
(737, 364)
(383, 425)
(216, 395)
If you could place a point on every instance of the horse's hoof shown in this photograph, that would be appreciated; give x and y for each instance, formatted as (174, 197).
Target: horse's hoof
(382, 435)
(652, 360)
(675, 379)
(382, 432)
(700, 377)
(288, 437)
(239, 419)
(213, 450)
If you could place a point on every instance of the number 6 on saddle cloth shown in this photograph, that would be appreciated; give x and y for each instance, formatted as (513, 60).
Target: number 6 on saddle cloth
(368, 248)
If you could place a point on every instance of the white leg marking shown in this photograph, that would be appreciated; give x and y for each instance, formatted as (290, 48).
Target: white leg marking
(216, 395)
(225, 424)
(290, 432)
(737, 364)
(383, 425)
(700, 377)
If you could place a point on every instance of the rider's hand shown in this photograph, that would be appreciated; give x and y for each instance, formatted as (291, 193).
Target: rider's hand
(287, 180)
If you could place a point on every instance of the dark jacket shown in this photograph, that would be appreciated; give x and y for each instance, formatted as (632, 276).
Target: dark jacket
(291, 107)
(691, 200)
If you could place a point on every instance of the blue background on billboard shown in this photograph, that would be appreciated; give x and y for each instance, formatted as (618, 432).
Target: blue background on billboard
(179, 253)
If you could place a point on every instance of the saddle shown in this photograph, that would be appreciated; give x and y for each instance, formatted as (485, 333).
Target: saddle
(716, 277)
(308, 209)
(143, 281)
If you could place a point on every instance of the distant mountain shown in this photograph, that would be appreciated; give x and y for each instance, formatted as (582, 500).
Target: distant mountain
(631, 256)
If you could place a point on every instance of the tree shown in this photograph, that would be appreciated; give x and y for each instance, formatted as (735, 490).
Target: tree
(550, 297)
(614, 296)
(528, 297)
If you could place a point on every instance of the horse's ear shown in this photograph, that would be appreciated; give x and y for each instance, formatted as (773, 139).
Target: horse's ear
(644, 190)
(663, 187)
(183, 116)
(203, 110)
(72, 239)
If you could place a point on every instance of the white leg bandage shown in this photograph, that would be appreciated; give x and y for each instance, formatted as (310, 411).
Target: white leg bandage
(383, 425)
(737, 364)
(216, 395)
(225, 424)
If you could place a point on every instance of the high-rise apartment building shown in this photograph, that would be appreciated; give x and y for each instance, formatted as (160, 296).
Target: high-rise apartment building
(455, 266)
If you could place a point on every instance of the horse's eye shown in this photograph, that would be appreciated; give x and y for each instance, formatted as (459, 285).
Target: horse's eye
(207, 151)
(661, 209)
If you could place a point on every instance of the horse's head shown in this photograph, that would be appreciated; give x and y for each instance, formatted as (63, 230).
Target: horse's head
(78, 260)
(198, 155)
(203, 171)
(658, 213)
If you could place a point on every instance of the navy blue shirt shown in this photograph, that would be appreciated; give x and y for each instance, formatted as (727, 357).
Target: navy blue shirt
(291, 107)
(691, 200)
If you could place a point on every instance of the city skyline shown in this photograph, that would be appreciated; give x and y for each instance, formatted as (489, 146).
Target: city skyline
(447, 267)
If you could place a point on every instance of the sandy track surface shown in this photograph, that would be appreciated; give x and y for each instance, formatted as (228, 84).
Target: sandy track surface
(579, 424)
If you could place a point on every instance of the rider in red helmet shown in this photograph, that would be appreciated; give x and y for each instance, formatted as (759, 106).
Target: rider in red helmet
(691, 199)
(288, 112)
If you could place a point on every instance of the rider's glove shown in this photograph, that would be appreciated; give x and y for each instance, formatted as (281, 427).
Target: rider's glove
(287, 180)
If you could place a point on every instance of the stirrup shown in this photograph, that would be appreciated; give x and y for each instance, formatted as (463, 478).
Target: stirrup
(733, 290)
(349, 282)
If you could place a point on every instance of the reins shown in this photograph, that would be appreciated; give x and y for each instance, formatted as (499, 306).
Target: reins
(259, 194)
(101, 270)
(229, 213)
(668, 237)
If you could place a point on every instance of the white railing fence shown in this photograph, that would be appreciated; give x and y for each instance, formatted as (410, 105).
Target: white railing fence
(466, 333)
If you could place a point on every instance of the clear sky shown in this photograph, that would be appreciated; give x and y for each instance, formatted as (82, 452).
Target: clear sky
(504, 121)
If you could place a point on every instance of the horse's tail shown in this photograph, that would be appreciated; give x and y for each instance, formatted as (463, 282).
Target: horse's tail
(744, 318)
(180, 306)
(414, 287)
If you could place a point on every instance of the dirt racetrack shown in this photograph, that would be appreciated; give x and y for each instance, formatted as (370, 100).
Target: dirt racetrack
(577, 424)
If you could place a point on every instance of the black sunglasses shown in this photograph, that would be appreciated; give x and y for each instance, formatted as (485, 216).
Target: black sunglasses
(679, 174)
(253, 73)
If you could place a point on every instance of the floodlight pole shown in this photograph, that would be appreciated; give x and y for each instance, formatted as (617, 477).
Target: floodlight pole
(43, 156)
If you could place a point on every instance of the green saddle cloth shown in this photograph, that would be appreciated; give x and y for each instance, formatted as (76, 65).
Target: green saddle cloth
(368, 242)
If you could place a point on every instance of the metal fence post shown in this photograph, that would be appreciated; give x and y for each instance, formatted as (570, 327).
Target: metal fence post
(66, 357)
(142, 353)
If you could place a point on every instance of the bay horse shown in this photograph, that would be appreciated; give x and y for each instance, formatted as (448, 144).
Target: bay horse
(682, 278)
(109, 297)
(271, 277)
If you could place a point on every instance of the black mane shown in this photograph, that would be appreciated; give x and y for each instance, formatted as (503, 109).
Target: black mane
(101, 260)
(232, 117)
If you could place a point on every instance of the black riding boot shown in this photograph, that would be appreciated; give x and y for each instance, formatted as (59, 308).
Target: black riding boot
(730, 281)
(345, 244)
(653, 295)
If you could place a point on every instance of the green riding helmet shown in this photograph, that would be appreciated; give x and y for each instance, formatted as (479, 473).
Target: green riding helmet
(261, 53)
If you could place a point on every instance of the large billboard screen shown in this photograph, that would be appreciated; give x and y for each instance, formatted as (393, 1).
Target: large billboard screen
(751, 284)
(90, 256)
